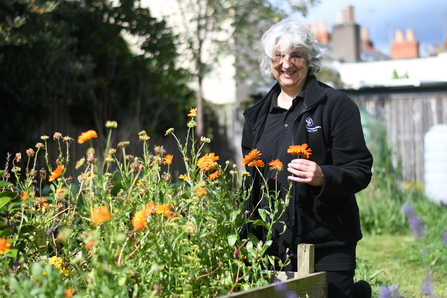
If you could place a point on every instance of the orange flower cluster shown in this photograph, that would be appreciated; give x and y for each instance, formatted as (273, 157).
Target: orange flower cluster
(168, 159)
(300, 150)
(69, 293)
(139, 220)
(252, 159)
(100, 215)
(56, 173)
(208, 162)
(4, 246)
(87, 136)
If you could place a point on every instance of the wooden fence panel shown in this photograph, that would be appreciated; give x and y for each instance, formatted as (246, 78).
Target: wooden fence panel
(407, 117)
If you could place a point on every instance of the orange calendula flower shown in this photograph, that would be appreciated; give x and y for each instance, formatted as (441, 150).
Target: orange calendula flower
(100, 215)
(56, 173)
(139, 220)
(4, 246)
(24, 196)
(276, 165)
(300, 150)
(168, 159)
(201, 192)
(251, 159)
(164, 209)
(192, 112)
(87, 136)
(69, 293)
(149, 208)
(207, 162)
(90, 244)
(214, 175)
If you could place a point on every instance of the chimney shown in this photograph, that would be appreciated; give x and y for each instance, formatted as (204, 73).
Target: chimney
(321, 33)
(351, 14)
(346, 37)
(404, 47)
(365, 43)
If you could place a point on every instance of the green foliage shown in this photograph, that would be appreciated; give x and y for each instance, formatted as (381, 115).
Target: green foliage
(382, 201)
(124, 228)
(75, 54)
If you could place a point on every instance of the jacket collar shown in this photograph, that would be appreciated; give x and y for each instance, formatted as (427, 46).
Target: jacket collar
(312, 92)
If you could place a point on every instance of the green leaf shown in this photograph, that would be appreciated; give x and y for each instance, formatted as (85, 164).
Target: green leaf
(9, 194)
(263, 213)
(4, 201)
(232, 239)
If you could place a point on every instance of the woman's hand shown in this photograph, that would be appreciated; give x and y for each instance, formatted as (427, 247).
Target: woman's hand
(305, 171)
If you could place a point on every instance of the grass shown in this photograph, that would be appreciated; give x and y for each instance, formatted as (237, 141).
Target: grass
(398, 259)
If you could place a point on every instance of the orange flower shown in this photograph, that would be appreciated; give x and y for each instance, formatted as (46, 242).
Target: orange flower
(201, 192)
(300, 150)
(164, 209)
(56, 173)
(90, 244)
(100, 214)
(139, 220)
(192, 112)
(207, 162)
(69, 293)
(251, 159)
(149, 208)
(168, 159)
(276, 165)
(86, 136)
(4, 246)
(24, 196)
(214, 175)
(183, 177)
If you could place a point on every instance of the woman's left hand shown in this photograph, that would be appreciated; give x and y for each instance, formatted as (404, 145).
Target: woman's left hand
(305, 171)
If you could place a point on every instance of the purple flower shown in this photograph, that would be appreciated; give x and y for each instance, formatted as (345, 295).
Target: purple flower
(416, 225)
(427, 287)
(280, 287)
(389, 292)
(444, 238)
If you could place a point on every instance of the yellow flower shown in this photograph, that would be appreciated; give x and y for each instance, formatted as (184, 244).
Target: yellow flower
(214, 175)
(4, 246)
(69, 293)
(58, 262)
(300, 150)
(251, 159)
(276, 165)
(100, 214)
(192, 112)
(168, 159)
(139, 220)
(56, 173)
(86, 136)
(201, 192)
(207, 162)
(183, 177)
(24, 196)
(164, 209)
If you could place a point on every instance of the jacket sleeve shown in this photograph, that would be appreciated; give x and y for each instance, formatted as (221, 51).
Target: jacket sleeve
(350, 170)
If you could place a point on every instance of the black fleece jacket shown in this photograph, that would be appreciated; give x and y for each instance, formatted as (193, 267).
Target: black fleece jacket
(329, 122)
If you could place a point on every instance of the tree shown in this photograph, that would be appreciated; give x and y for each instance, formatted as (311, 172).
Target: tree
(212, 28)
(73, 53)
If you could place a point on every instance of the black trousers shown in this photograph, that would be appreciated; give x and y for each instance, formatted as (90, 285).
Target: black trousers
(340, 284)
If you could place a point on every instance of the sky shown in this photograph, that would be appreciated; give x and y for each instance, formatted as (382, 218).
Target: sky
(382, 18)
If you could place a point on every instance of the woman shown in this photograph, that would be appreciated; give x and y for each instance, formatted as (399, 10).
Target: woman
(301, 110)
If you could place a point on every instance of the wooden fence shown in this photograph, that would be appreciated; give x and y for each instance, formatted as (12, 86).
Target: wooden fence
(408, 113)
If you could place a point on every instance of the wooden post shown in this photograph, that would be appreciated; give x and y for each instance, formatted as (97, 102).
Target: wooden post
(306, 262)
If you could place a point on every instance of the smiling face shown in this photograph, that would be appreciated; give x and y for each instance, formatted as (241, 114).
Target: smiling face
(289, 68)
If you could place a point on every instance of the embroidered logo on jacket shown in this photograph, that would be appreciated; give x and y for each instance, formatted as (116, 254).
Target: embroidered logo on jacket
(310, 125)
